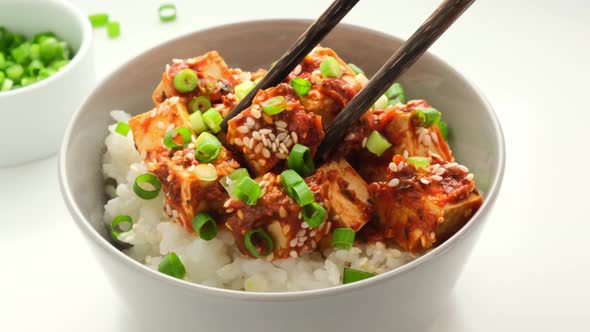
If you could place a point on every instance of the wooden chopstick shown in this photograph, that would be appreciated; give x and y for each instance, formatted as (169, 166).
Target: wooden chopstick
(444, 16)
(306, 42)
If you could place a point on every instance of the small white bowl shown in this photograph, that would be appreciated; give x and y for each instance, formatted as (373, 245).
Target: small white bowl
(34, 118)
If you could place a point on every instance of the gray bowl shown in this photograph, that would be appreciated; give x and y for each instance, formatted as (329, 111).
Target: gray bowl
(406, 298)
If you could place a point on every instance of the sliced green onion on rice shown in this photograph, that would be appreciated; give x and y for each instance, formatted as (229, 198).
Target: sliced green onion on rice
(204, 225)
(122, 128)
(343, 238)
(351, 275)
(330, 67)
(147, 179)
(419, 161)
(121, 224)
(248, 190)
(274, 105)
(170, 137)
(262, 236)
(167, 12)
(377, 144)
(313, 214)
(186, 80)
(172, 266)
(301, 86)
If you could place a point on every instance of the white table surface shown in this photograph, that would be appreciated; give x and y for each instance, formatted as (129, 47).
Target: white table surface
(529, 272)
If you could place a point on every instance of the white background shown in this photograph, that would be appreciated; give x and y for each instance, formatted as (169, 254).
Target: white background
(529, 272)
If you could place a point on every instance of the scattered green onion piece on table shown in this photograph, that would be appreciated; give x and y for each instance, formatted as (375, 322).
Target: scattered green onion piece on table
(396, 91)
(200, 103)
(381, 103)
(205, 226)
(186, 80)
(213, 119)
(206, 172)
(300, 160)
(330, 67)
(208, 147)
(121, 224)
(301, 86)
(274, 105)
(314, 214)
(230, 181)
(419, 161)
(343, 238)
(427, 116)
(243, 89)
(248, 190)
(172, 266)
(197, 123)
(352, 275)
(444, 129)
(377, 144)
(143, 179)
(170, 137)
(262, 235)
(122, 128)
(355, 69)
(98, 20)
(113, 29)
(167, 12)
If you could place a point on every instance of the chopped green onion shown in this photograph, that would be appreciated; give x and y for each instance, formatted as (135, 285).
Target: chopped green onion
(444, 129)
(50, 49)
(213, 120)
(122, 128)
(206, 172)
(172, 266)
(57, 65)
(121, 224)
(274, 105)
(248, 190)
(381, 103)
(230, 181)
(419, 161)
(167, 12)
(27, 81)
(313, 214)
(355, 69)
(200, 103)
(46, 72)
(300, 160)
(243, 89)
(263, 236)
(169, 138)
(144, 179)
(427, 116)
(2, 77)
(208, 147)
(15, 72)
(7, 85)
(205, 226)
(197, 123)
(186, 80)
(35, 52)
(330, 67)
(113, 29)
(98, 20)
(296, 187)
(34, 68)
(395, 102)
(352, 275)
(377, 144)
(22, 53)
(343, 238)
(301, 86)
(396, 91)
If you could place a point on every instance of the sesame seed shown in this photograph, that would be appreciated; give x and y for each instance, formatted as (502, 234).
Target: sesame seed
(297, 70)
(406, 154)
(266, 153)
(436, 177)
(282, 212)
(424, 180)
(265, 141)
(400, 166)
(283, 147)
(313, 233)
(274, 147)
(434, 137)
(265, 131)
(282, 130)
(440, 171)
(281, 136)
(262, 183)
(258, 148)
(238, 142)
(293, 254)
(463, 168)
(349, 137)
(281, 155)
(250, 122)
(300, 244)
(281, 124)
(364, 142)
(394, 182)
(427, 140)
(271, 136)
(293, 242)
(469, 177)
(246, 140)
(304, 225)
(393, 167)
(449, 165)
(301, 233)
(255, 112)
(251, 144)
(256, 135)
(240, 214)
(294, 136)
(243, 129)
(227, 203)
(262, 163)
(176, 60)
(288, 141)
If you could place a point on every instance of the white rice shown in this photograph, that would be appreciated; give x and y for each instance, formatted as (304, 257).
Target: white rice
(218, 263)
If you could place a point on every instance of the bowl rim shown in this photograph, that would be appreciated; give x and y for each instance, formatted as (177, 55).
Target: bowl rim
(198, 289)
(85, 45)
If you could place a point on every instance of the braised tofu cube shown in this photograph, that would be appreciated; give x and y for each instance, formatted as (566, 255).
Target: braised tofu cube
(347, 195)
(264, 140)
(327, 95)
(418, 208)
(279, 216)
